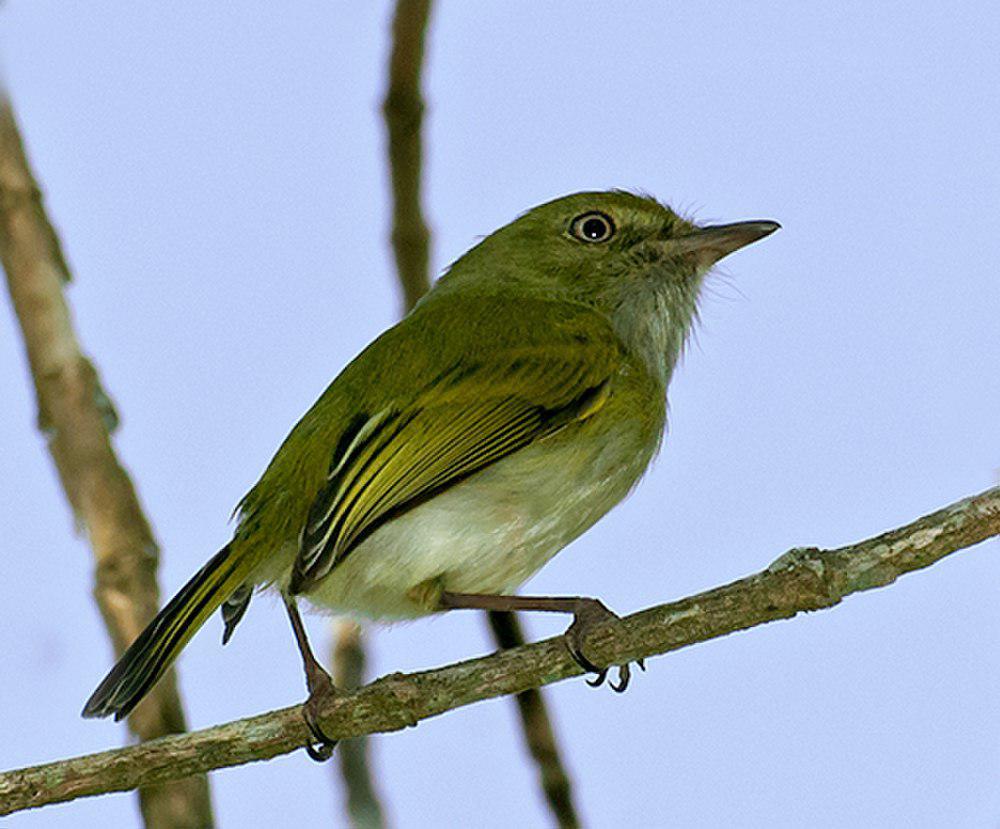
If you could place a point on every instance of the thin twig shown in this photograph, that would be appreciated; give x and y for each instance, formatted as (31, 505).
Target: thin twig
(802, 579)
(364, 806)
(538, 734)
(404, 111)
(77, 417)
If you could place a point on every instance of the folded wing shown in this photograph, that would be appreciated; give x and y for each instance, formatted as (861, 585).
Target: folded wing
(469, 417)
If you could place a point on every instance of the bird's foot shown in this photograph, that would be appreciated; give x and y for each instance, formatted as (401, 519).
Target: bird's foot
(321, 690)
(590, 614)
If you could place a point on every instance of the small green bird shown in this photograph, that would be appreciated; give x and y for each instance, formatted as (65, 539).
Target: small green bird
(521, 399)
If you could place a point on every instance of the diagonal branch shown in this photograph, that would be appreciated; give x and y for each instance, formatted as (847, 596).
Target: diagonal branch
(77, 417)
(539, 735)
(802, 579)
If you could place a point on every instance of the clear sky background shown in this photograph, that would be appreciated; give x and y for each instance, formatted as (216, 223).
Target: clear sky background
(217, 174)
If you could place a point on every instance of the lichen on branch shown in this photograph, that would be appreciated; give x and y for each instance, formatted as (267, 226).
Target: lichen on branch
(804, 579)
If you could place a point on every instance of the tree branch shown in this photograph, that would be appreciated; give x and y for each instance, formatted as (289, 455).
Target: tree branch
(363, 805)
(539, 736)
(802, 579)
(77, 417)
(404, 110)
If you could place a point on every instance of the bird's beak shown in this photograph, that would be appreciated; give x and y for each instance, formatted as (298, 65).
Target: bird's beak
(707, 245)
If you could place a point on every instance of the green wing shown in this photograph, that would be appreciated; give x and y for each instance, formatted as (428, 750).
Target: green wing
(469, 417)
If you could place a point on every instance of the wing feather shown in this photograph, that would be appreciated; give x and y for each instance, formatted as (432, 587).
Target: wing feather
(473, 416)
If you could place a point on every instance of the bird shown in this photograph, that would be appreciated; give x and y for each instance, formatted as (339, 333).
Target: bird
(520, 400)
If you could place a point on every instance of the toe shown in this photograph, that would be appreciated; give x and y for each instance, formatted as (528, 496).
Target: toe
(624, 675)
(581, 660)
(321, 752)
(320, 747)
(590, 614)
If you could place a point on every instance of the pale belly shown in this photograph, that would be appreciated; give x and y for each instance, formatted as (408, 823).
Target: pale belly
(493, 531)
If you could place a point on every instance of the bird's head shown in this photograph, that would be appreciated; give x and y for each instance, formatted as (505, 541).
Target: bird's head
(626, 255)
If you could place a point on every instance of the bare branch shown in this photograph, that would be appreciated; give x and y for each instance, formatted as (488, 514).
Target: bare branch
(802, 579)
(537, 727)
(77, 417)
(404, 111)
(363, 806)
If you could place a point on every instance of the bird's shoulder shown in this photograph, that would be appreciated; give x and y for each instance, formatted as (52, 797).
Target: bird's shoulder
(447, 356)
(492, 340)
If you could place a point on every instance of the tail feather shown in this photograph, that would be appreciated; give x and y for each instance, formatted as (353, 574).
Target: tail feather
(233, 609)
(149, 656)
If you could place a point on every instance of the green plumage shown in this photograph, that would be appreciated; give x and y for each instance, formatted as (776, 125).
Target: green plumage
(520, 401)
(460, 405)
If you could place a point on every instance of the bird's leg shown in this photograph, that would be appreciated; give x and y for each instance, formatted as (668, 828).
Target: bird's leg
(318, 682)
(587, 615)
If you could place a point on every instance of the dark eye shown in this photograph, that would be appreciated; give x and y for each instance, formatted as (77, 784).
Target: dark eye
(592, 227)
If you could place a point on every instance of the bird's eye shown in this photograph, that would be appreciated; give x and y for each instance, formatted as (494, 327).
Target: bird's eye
(592, 227)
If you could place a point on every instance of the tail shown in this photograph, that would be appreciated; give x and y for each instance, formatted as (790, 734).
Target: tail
(163, 639)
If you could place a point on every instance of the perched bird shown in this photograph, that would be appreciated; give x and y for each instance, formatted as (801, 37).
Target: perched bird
(521, 399)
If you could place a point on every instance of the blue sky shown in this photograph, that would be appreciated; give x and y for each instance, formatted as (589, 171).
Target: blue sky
(217, 175)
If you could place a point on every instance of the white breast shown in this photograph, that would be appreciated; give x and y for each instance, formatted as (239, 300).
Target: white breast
(489, 533)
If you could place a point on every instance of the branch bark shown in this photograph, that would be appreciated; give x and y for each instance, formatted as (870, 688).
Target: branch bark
(802, 579)
(77, 418)
(404, 111)
(539, 736)
(364, 807)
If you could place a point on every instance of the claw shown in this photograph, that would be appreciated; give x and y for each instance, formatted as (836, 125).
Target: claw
(587, 666)
(585, 663)
(324, 746)
(320, 747)
(321, 752)
(624, 675)
(591, 613)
